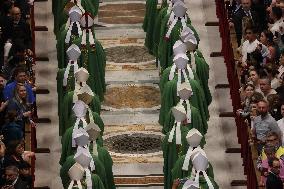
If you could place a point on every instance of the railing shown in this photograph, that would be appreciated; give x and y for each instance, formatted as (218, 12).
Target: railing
(229, 53)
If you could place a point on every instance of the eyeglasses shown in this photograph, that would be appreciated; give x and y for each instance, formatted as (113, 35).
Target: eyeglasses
(271, 140)
(248, 32)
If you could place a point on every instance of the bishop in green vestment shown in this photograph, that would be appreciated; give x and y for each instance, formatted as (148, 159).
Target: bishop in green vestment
(178, 173)
(170, 99)
(100, 178)
(68, 103)
(171, 153)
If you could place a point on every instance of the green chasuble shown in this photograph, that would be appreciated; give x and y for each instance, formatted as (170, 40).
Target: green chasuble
(171, 153)
(90, 6)
(196, 122)
(165, 49)
(61, 91)
(106, 159)
(99, 171)
(151, 5)
(67, 106)
(170, 99)
(94, 60)
(177, 171)
(202, 70)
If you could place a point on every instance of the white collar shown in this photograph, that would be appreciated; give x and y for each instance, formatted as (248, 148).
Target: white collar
(15, 181)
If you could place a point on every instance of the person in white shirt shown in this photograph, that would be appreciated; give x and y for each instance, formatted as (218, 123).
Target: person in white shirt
(276, 16)
(251, 44)
(281, 123)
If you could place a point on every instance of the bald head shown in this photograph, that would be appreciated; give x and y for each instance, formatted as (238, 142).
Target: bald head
(16, 14)
(246, 4)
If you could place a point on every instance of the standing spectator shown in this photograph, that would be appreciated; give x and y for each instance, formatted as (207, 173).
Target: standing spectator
(20, 77)
(20, 105)
(254, 78)
(266, 38)
(249, 91)
(273, 179)
(265, 87)
(263, 124)
(250, 45)
(237, 18)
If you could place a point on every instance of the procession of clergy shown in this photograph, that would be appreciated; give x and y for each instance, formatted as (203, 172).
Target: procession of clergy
(185, 95)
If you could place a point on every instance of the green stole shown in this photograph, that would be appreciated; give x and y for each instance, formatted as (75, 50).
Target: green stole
(151, 13)
(67, 106)
(171, 153)
(100, 180)
(170, 99)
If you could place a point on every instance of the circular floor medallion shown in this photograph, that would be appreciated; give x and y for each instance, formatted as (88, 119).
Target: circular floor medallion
(128, 54)
(136, 143)
(131, 13)
(132, 97)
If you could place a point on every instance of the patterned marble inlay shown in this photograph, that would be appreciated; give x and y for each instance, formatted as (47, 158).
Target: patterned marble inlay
(137, 143)
(132, 97)
(128, 54)
(132, 13)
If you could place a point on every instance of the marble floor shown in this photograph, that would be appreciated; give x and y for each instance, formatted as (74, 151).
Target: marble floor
(122, 33)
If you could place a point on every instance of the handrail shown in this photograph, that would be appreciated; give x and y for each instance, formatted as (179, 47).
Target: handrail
(228, 52)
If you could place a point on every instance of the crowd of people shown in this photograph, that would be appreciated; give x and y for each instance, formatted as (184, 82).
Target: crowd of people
(17, 93)
(259, 29)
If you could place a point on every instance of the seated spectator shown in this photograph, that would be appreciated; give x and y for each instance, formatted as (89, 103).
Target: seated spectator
(19, 104)
(245, 112)
(13, 180)
(265, 87)
(263, 124)
(273, 179)
(20, 77)
(12, 130)
(277, 27)
(15, 154)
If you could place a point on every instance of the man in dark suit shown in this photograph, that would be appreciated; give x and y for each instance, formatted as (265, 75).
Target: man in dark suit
(273, 180)
(237, 18)
(13, 181)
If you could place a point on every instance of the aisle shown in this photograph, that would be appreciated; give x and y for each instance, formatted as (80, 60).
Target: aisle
(132, 101)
